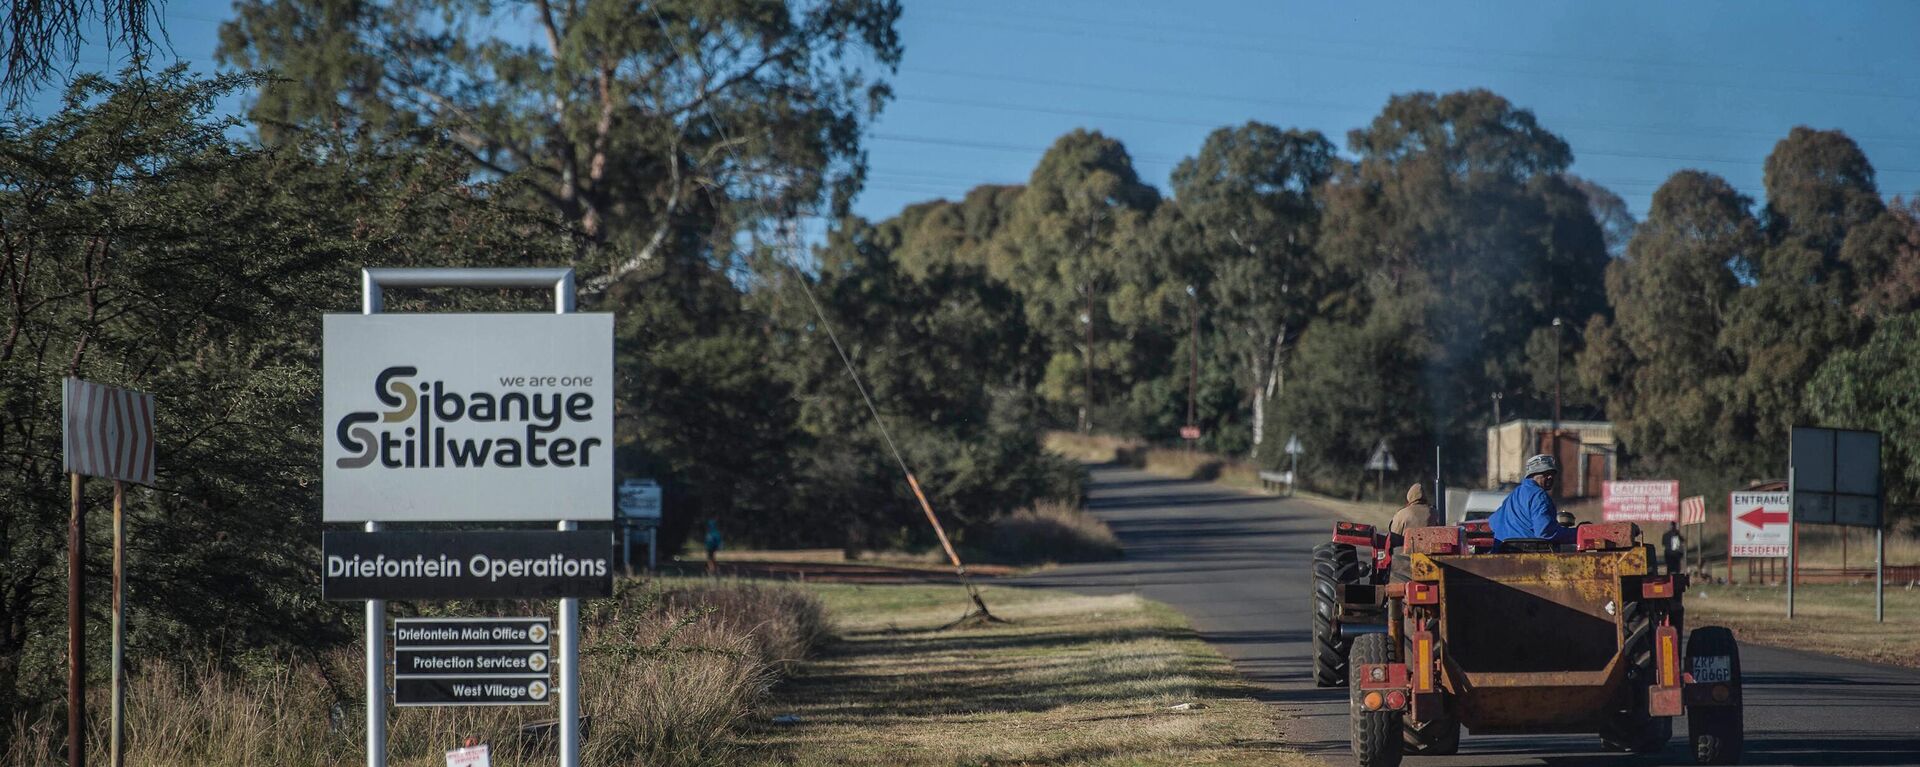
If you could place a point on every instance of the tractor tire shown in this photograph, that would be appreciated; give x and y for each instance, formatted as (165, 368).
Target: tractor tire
(1377, 738)
(1435, 737)
(1718, 734)
(1633, 729)
(1333, 565)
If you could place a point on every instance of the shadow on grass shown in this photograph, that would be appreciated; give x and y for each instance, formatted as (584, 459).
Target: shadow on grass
(891, 675)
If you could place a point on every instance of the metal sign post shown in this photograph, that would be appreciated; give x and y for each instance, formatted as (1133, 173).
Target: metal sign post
(417, 494)
(1793, 545)
(106, 432)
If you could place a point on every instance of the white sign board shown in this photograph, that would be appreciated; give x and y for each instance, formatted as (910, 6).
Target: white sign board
(640, 499)
(106, 432)
(1761, 525)
(471, 756)
(467, 417)
(1293, 445)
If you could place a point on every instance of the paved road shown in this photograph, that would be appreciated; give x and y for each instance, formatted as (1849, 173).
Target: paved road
(1237, 565)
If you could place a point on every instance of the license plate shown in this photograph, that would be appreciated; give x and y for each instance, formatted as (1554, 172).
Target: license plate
(1712, 668)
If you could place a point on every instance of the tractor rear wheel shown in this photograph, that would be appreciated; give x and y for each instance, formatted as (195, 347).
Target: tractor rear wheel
(1377, 738)
(1718, 733)
(1634, 729)
(1333, 565)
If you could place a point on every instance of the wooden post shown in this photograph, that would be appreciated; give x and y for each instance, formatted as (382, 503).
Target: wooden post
(76, 632)
(116, 743)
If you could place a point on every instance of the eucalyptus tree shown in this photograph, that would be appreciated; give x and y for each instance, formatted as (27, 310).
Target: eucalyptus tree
(1250, 205)
(662, 128)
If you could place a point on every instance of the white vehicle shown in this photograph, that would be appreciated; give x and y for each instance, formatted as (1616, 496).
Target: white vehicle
(1480, 504)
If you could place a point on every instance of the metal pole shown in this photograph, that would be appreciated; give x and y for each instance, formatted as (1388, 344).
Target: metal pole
(1556, 386)
(1293, 473)
(1793, 545)
(373, 301)
(569, 675)
(653, 535)
(1880, 574)
(116, 746)
(76, 632)
(1730, 542)
(626, 548)
(376, 676)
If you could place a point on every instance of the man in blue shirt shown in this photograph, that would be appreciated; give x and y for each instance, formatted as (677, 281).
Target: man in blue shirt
(1529, 511)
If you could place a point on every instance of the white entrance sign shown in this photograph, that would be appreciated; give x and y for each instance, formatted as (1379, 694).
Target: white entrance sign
(1761, 525)
(468, 417)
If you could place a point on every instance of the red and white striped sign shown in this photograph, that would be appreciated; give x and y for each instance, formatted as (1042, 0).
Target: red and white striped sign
(108, 432)
(1693, 510)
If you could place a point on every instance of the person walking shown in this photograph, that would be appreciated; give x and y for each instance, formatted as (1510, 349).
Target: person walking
(713, 546)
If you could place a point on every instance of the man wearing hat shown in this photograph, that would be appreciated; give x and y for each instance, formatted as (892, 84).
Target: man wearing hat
(1417, 513)
(1529, 511)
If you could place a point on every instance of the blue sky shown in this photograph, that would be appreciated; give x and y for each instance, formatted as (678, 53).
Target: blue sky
(1640, 90)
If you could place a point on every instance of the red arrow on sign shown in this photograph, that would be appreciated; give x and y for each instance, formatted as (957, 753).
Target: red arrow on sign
(1760, 518)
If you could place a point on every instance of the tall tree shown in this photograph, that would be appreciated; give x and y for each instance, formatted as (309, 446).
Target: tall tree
(659, 127)
(1615, 219)
(1249, 207)
(1457, 213)
(1658, 363)
(1820, 188)
(1063, 247)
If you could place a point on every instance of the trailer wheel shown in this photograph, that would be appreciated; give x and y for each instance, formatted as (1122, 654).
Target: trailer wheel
(1333, 564)
(1633, 729)
(1718, 733)
(1434, 737)
(1377, 739)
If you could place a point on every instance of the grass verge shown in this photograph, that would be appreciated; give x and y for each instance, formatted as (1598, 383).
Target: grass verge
(670, 669)
(1833, 619)
(1073, 680)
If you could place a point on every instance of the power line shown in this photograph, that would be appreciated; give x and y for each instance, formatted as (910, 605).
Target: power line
(1216, 46)
(1267, 36)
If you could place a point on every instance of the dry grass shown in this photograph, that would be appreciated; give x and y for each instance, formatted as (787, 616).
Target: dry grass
(1052, 532)
(669, 670)
(1832, 619)
(1072, 681)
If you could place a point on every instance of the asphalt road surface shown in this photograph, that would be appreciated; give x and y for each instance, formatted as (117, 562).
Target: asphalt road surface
(1237, 565)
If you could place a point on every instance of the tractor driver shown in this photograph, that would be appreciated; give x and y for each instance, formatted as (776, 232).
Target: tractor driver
(1529, 511)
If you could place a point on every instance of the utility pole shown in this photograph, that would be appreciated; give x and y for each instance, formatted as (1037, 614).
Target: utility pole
(1556, 385)
(1193, 369)
(1499, 444)
(1086, 406)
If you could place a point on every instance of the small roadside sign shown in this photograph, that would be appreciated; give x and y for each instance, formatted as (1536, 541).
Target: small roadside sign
(1693, 510)
(1382, 460)
(1189, 433)
(640, 500)
(107, 432)
(1652, 500)
(471, 756)
(471, 661)
(1760, 525)
(1293, 445)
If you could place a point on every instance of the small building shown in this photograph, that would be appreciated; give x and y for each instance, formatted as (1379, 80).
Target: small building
(1587, 450)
